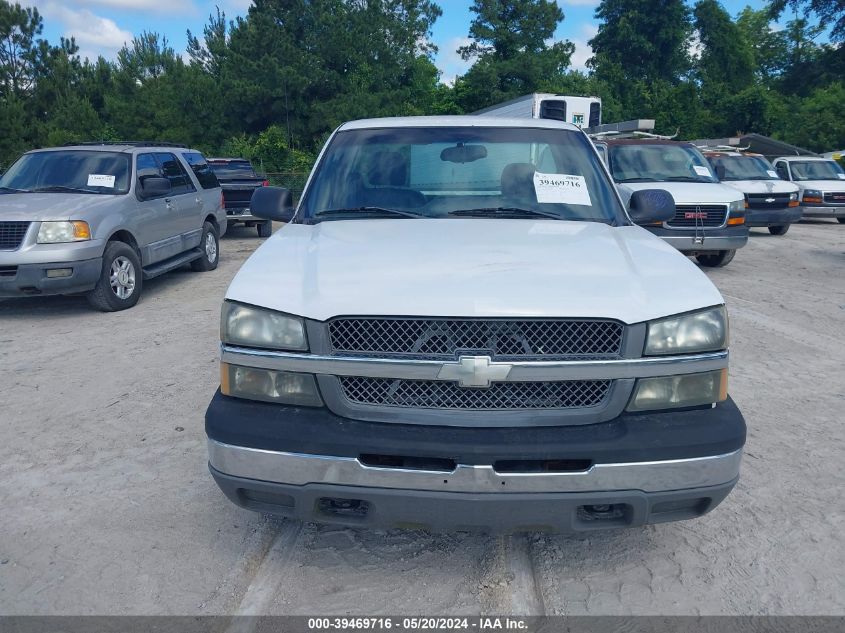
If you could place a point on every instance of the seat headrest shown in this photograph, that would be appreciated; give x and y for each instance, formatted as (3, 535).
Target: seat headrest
(518, 180)
(388, 169)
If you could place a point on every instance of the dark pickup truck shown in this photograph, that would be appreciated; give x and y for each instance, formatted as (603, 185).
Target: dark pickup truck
(238, 179)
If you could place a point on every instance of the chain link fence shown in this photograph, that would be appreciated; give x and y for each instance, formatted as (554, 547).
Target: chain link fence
(293, 180)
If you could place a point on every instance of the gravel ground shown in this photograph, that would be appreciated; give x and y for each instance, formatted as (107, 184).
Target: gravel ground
(107, 506)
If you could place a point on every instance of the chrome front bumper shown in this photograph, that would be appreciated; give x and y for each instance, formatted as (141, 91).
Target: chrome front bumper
(300, 470)
(824, 212)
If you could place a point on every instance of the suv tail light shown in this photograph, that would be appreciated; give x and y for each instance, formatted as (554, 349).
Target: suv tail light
(266, 183)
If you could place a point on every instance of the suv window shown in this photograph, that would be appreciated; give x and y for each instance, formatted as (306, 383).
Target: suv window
(172, 169)
(202, 170)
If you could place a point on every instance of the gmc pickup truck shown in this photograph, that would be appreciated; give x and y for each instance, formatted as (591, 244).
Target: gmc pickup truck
(238, 179)
(463, 327)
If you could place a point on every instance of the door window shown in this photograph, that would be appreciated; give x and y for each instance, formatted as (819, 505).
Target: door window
(202, 170)
(782, 171)
(172, 169)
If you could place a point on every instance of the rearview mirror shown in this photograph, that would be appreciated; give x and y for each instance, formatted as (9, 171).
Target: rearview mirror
(720, 171)
(649, 206)
(463, 153)
(153, 187)
(272, 203)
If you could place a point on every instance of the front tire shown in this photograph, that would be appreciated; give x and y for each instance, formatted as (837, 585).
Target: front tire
(210, 247)
(121, 279)
(265, 229)
(717, 259)
(779, 230)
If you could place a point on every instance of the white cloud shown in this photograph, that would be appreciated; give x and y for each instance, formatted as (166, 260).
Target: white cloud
(583, 51)
(169, 7)
(449, 61)
(94, 34)
(578, 3)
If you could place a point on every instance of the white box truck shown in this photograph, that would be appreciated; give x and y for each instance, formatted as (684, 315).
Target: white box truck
(580, 111)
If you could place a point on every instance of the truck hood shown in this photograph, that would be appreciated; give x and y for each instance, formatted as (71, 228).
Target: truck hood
(37, 207)
(687, 192)
(822, 185)
(471, 268)
(762, 186)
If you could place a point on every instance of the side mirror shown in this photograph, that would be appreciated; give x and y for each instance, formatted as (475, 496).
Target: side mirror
(153, 187)
(272, 203)
(720, 172)
(649, 206)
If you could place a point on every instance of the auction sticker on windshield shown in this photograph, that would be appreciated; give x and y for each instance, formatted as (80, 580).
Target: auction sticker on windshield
(561, 189)
(100, 180)
(701, 171)
(772, 173)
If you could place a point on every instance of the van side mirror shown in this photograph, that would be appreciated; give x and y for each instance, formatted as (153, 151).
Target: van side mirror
(720, 172)
(153, 187)
(272, 203)
(649, 206)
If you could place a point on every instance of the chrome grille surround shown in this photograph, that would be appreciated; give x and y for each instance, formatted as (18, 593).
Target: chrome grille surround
(501, 339)
(500, 396)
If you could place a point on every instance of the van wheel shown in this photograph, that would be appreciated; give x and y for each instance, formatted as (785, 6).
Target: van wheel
(210, 247)
(717, 259)
(121, 279)
(265, 229)
(779, 230)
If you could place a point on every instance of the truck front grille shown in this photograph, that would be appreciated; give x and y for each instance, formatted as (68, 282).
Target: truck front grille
(500, 396)
(689, 215)
(501, 339)
(12, 234)
(768, 201)
(835, 197)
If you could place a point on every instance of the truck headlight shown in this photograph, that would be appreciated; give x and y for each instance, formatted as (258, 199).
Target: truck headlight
(703, 331)
(251, 326)
(737, 205)
(673, 392)
(61, 232)
(267, 385)
(813, 196)
(793, 196)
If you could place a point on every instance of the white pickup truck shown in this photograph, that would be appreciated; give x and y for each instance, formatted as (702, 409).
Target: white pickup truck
(462, 327)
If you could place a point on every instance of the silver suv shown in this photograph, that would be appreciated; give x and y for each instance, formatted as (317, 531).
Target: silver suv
(101, 218)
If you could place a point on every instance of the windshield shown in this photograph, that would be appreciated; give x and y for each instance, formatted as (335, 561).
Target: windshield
(816, 170)
(658, 163)
(461, 172)
(233, 169)
(69, 171)
(745, 167)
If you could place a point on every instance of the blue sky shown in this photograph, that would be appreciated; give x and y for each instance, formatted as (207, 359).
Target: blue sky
(102, 26)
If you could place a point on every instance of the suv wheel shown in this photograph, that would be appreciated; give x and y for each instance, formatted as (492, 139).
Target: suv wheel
(265, 229)
(779, 230)
(717, 259)
(121, 279)
(210, 246)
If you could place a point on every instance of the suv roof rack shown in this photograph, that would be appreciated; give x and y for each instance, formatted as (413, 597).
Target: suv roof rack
(132, 143)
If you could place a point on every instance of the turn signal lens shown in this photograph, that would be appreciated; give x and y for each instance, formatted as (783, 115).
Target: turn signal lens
(812, 199)
(81, 230)
(793, 203)
(736, 221)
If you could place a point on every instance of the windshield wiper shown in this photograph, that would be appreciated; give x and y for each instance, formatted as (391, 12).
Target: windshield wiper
(504, 212)
(368, 212)
(684, 179)
(638, 179)
(61, 189)
(13, 190)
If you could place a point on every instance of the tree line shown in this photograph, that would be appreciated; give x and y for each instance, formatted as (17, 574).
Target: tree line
(271, 85)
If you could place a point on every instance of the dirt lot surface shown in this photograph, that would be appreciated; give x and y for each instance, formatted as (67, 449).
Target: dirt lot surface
(107, 506)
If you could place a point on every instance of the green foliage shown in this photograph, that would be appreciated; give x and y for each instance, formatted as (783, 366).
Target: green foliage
(511, 51)
(272, 85)
(269, 151)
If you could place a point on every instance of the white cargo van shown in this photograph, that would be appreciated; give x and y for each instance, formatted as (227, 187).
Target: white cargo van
(822, 184)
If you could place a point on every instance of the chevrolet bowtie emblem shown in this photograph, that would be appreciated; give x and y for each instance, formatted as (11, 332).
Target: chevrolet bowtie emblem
(770, 199)
(475, 371)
